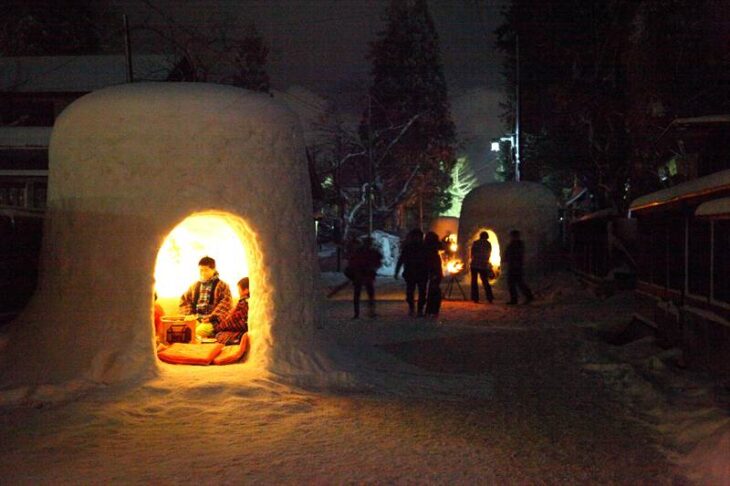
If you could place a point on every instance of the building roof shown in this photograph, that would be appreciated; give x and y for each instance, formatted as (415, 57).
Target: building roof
(715, 209)
(78, 73)
(702, 186)
(25, 137)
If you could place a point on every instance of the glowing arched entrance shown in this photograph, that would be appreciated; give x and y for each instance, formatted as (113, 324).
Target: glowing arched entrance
(495, 259)
(221, 236)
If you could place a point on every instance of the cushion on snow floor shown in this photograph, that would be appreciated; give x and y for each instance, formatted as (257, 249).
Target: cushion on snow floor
(196, 354)
(231, 354)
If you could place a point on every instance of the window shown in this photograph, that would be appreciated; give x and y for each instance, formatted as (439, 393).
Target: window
(27, 113)
(12, 194)
(721, 262)
(699, 257)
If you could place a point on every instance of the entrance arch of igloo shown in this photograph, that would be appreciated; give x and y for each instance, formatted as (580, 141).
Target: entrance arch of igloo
(230, 242)
(496, 256)
(126, 165)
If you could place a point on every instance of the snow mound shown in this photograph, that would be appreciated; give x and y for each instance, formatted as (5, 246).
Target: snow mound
(503, 206)
(127, 165)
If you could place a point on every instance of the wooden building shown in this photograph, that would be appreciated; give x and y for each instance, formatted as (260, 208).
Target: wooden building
(684, 251)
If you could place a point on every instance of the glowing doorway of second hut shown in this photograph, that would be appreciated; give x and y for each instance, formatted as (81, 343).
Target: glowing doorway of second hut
(206, 234)
(495, 259)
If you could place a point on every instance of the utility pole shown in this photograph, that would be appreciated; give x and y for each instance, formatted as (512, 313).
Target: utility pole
(128, 50)
(517, 108)
(370, 166)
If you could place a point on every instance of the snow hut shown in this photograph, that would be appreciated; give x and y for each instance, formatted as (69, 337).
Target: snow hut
(444, 225)
(500, 207)
(209, 169)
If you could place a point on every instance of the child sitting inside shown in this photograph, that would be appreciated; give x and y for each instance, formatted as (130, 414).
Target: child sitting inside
(232, 327)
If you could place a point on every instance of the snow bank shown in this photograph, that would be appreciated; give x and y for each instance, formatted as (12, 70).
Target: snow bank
(128, 164)
(503, 206)
(389, 246)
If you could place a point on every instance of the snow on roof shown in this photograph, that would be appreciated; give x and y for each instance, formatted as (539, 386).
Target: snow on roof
(697, 187)
(77, 73)
(25, 137)
(715, 209)
(699, 120)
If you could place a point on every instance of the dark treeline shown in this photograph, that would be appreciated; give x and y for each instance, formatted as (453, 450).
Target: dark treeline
(600, 81)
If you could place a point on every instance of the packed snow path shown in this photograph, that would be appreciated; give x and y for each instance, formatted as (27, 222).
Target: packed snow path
(485, 395)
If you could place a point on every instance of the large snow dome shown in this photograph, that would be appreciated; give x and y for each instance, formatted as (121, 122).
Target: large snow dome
(500, 207)
(137, 174)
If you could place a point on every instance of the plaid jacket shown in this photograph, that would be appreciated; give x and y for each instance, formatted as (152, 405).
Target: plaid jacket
(221, 302)
(236, 320)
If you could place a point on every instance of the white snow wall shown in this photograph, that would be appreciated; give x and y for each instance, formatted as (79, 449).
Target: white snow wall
(503, 206)
(128, 164)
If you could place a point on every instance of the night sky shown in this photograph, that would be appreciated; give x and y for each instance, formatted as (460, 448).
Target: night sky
(321, 45)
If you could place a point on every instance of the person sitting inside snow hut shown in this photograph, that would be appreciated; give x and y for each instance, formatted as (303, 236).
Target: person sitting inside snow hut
(209, 299)
(231, 328)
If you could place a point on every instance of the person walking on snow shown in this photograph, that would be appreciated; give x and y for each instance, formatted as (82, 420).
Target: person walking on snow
(412, 260)
(481, 251)
(361, 269)
(514, 258)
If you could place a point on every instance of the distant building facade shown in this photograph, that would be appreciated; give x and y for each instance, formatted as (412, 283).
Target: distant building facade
(33, 93)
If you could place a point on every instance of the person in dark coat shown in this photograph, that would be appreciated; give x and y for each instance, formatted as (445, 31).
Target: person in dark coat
(481, 251)
(432, 245)
(514, 258)
(361, 269)
(412, 260)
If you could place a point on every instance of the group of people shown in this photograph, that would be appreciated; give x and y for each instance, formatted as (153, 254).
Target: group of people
(420, 261)
(513, 258)
(209, 300)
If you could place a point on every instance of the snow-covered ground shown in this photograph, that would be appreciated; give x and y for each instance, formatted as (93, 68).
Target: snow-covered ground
(487, 394)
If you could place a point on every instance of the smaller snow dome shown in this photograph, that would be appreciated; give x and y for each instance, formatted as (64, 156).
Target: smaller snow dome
(501, 207)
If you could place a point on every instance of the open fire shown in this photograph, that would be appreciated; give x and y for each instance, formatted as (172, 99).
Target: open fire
(450, 263)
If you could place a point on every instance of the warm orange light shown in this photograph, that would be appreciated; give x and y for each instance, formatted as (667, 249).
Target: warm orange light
(197, 236)
(454, 266)
(451, 265)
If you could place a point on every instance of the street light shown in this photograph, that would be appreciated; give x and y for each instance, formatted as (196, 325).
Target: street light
(511, 138)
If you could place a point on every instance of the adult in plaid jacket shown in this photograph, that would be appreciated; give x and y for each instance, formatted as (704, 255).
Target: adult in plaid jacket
(210, 297)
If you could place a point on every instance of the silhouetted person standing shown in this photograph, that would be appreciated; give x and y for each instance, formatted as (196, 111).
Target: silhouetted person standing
(432, 245)
(412, 259)
(481, 251)
(514, 258)
(361, 269)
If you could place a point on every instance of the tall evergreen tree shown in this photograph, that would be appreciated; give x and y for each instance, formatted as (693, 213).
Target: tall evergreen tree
(408, 82)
